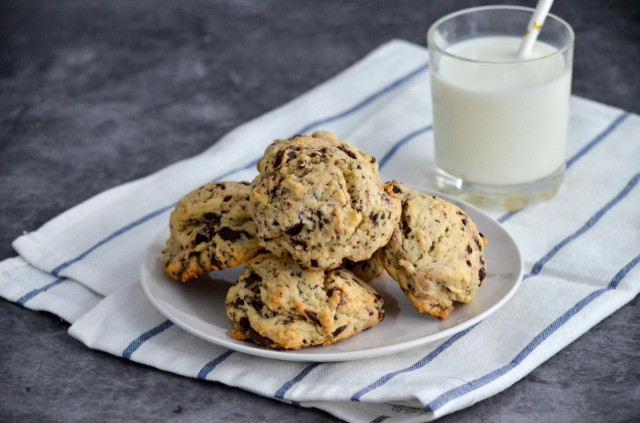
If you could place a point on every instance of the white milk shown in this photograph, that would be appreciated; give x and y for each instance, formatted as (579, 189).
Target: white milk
(500, 124)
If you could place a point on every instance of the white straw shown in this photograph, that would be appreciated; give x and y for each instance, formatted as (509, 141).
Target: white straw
(533, 28)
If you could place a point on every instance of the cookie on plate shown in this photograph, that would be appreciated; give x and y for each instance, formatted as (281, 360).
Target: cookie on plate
(279, 304)
(436, 254)
(320, 202)
(210, 229)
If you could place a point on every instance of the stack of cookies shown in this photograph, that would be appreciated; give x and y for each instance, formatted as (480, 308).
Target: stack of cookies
(312, 229)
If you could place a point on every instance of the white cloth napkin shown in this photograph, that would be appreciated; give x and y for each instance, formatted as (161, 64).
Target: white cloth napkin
(581, 252)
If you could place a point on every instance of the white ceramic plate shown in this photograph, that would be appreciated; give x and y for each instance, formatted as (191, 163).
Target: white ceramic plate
(199, 305)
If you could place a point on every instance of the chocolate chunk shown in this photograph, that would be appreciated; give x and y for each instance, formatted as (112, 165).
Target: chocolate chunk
(290, 156)
(347, 151)
(244, 323)
(314, 263)
(294, 229)
(212, 219)
(252, 278)
(227, 198)
(278, 160)
(239, 302)
(257, 304)
(313, 317)
(330, 292)
(200, 238)
(339, 330)
(229, 234)
(259, 339)
(406, 228)
(396, 189)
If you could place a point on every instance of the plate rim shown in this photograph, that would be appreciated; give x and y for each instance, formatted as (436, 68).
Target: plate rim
(345, 355)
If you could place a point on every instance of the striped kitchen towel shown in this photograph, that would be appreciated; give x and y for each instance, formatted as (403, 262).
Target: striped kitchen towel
(581, 252)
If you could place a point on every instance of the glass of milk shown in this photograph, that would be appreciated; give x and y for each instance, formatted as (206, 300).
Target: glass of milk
(500, 123)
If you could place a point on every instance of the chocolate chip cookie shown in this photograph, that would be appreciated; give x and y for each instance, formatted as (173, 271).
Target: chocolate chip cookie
(279, 304)
(210, 229)
(435, 253)
(321, 201)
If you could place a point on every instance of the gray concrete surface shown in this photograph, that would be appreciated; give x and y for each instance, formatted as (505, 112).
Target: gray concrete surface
(97, 93)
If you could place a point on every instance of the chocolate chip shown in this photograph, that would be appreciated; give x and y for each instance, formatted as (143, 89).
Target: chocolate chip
(200, 238)
(257, 304)
(464, 222)
(469, 249)
(252, 278)
(212, 219)
(406, 228)
(229, 234)
(294, 229)
(278, 160)
(244, 323)
(373, 159)
(396, 189)
(259, 339)
(468, 263)
(338, 331)
(482, 274)
(239, 302)
(347, 151)
(290, 156)
(313, 317)
(477, 243)
(275, 223)
(330, 292)
(245, 183)
(314, 263)
(374, 217)
(227, 198)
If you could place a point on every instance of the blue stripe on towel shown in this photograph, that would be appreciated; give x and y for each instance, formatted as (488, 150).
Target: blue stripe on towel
(135, 344)
(402, 142)
(207, 368)
(590, 223)
(542, 336)
(584, 150)
(284, 388)
(422, 362)
(369, 99)
(29, 295)
(537, 267)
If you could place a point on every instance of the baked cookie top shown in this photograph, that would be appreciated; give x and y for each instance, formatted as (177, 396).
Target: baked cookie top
(435, 253)
(279, 304)
(210, 229)
(321, 201)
